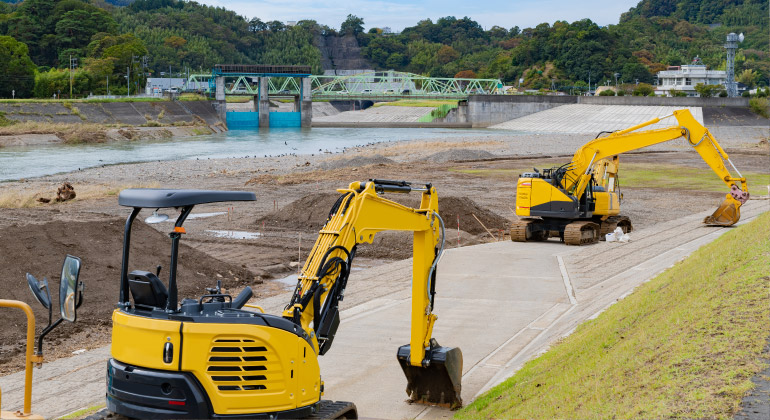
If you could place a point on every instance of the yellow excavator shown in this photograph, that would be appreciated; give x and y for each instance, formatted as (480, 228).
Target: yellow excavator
(219, 357)
(580, 201)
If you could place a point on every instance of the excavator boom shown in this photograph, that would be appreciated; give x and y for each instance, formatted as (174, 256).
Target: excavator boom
(433, 372)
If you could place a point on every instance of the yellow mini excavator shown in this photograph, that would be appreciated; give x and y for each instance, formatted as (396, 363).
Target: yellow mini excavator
(580, 200)
(219, 357)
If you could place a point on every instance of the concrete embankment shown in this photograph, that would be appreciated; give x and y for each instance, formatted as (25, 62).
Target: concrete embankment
(129, 113)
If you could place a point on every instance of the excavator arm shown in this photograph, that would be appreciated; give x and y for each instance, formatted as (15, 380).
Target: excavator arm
(433, 372)
(579, 172)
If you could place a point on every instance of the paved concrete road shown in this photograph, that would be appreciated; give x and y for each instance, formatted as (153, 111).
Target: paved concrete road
(502, 303)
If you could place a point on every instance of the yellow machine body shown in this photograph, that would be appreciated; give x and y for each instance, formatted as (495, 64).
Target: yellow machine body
(581, 200)
(210, 357)
(224, 357)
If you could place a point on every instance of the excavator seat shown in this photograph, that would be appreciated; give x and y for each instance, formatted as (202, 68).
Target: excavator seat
(147, 289)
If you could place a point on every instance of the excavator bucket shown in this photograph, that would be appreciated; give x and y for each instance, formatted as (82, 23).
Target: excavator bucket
(729, 212)
(438, 380)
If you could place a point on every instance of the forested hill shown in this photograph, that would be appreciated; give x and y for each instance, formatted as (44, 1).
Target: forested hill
(110, 37)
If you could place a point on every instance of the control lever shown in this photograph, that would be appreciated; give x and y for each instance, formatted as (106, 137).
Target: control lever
(242, 298)
(157, 270)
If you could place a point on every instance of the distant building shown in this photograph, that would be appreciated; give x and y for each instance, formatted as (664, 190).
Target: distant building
(684, 78)
(291, 23)
(159, 85)
(386, 30)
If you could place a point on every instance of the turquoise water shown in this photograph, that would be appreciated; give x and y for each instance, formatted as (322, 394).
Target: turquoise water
(35, 161)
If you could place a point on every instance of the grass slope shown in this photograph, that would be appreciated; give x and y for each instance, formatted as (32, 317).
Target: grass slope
(685, 344)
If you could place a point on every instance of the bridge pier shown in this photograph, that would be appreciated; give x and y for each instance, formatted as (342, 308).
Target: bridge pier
(263, 102)
(305, 100)
(220, 103)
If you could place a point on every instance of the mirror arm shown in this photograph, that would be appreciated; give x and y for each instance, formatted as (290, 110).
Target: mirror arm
(49, 328)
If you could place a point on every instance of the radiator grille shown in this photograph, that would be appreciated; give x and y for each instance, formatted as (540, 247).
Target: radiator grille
(240, 364)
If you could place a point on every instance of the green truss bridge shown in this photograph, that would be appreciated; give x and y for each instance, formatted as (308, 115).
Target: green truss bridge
(374, 85)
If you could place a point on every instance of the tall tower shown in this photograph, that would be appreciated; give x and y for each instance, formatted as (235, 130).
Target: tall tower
(731, 45)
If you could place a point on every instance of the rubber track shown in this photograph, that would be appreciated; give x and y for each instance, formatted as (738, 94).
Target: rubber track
(573, 233)
(519, 230)
(328, 410)
(335, 410)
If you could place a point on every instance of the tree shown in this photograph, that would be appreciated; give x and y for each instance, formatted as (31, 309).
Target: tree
(17, 71)
(643, 89)
(447, 54)
(353, 25)
(748, 77)
(466, 74)
(707, 91)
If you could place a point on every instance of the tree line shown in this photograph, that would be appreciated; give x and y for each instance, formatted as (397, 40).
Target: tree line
(100, 47)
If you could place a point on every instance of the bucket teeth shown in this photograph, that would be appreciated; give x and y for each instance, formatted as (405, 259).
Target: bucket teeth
(438, 380)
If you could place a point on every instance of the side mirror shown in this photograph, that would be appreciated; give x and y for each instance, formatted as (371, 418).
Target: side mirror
(40, 290)
(70, 290)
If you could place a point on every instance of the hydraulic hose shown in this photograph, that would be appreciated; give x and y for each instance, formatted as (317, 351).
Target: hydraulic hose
(432, 272)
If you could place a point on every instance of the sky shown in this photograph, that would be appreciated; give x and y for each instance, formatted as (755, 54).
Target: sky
(398, 14)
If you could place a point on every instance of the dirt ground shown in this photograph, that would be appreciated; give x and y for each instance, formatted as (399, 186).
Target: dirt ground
(258, 243)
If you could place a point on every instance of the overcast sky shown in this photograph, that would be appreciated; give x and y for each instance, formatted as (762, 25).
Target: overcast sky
(398, 14)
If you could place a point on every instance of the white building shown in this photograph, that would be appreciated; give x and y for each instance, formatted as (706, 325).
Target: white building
(684, 78)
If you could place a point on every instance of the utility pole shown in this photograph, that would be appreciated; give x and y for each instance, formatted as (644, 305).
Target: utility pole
(128, 80)
(108, 85)
(73, 64)
(616, 80)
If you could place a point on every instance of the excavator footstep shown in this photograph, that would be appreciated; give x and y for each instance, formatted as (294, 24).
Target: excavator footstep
(437, 382)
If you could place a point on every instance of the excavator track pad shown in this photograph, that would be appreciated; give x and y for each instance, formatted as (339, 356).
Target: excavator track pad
(522, 231)
(581, 233)
(729, 212)
(438, 380)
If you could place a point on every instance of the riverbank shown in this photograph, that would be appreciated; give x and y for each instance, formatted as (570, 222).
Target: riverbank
(47, 122)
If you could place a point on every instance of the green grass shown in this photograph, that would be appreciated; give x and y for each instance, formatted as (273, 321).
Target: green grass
(685, 345)
(414, 102)
(759, 106)
(84, 412)
(636, 175)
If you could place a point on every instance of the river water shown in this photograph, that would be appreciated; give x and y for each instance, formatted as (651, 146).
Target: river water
(18, 162)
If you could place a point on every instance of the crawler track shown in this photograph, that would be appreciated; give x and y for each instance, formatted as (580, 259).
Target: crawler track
(521, 231)
(581, 233)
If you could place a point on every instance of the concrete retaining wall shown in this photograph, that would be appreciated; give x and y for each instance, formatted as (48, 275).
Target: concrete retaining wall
(132, 113)
(486, 110)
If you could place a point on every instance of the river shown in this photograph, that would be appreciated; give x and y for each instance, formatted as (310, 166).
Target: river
(18, 162)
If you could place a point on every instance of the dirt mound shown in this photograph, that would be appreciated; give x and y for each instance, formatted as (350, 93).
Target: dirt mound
(450, 208)
(311, 211)
(357, 162)
(40, 249)
(458, 155)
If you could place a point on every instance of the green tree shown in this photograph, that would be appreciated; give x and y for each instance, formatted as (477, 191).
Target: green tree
(748, 77)
(17, 71)
(353, 25)
(707, 91)
(643, 89)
